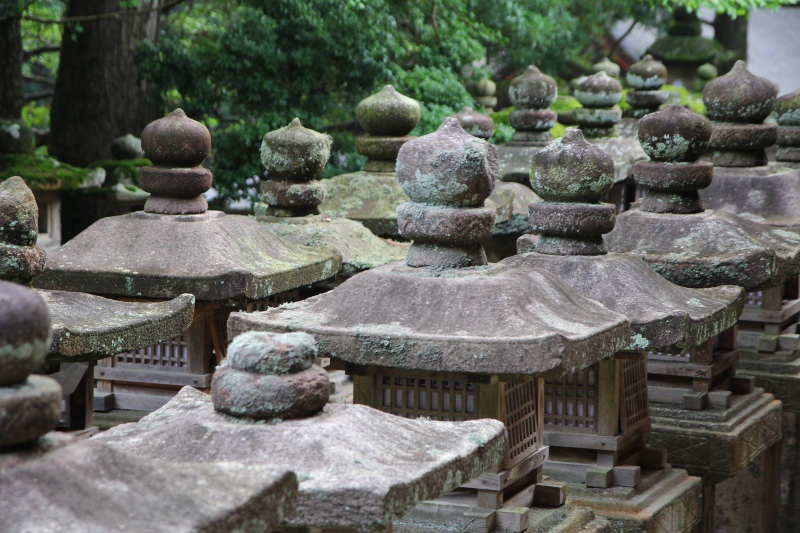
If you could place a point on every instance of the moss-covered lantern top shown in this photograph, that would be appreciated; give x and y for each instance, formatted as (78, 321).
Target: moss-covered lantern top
(388, 113)
(739, 96)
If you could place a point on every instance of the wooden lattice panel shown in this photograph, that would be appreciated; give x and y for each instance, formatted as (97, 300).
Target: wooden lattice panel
(451, 398)
(571, 400)
(168, 355)
(633, 393)
(522, 419)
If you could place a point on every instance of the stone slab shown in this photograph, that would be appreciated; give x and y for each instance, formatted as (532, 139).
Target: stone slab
(367, 197)
(61, 486)
(396, 316)
(214, 256)
(358, 467)
(515, 162)
(717, 443)
(661, 313)
(88, 328)
(624, 151)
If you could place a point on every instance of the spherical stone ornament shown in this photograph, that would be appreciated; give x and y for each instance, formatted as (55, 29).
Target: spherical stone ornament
(28, 410)
(294, 153)
(388, 112)
(532, 90)
(787, 109)
(474, 123)
(674, 134)
(449, 167)
(270, 353)
(707, 71)
(25, 333)
(739, 96)
(571, 169)
(607, 66)
(647, 74)
(19, 214)
(598, 90)
(176, 141)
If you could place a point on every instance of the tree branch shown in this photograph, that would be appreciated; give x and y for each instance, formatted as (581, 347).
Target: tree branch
(39, 79)
(621, 38)
(27, 54)
(100, 16)
(38, 96)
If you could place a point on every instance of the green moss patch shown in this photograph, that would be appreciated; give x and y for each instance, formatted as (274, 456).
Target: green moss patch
(42, 172)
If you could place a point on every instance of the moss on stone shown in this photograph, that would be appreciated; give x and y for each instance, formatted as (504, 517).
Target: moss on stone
(41, 172)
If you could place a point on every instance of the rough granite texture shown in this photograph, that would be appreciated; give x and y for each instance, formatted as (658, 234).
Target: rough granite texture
(528, 321)
(475, 123)
(215, 257)
(20, 259)
(357, 467)
(25, 334)
(88, 328)
(61, 486)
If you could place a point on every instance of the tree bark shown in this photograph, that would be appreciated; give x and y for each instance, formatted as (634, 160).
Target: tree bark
(11, 99)
(98, 93)
(732, 33)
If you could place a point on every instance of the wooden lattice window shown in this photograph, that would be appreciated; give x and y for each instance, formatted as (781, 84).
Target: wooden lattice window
(571, 400)
(522, 419)
(633, 393)
(167, 355)
(451, 398)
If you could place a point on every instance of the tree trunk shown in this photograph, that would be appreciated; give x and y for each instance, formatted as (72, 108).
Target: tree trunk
(11, 99)
(98, 93)
(732, 33)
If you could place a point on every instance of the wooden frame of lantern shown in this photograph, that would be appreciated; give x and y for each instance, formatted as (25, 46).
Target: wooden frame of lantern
(596, 422)
(517, 402)
(699, 376)
(768, 324)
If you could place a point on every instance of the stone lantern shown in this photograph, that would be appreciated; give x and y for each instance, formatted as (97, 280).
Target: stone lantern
(599, 95)
(85, 328)
(597, 420)
(645, 78)
(607, 66)
(712, 420)
(449, 336)
(359, 469)
(53, 482)
(177, 246)
(787, 115)
(294, 156)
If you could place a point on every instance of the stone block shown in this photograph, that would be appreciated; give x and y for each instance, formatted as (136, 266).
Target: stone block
(513, 519)
(599, 477)
(550, 493)
(479, 521)
(742, 384)
(695, 401)
(654, 458)
(719, 399)
(767, 343)
(627, 476)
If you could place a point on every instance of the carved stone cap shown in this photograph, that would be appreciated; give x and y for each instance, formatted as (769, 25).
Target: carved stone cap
(475, 123)
(674, 135)
(598, 90)
(533, 90)
(607, 66)
(294, 153)
(647, 74)
(388, 113)
(739, 96)
(787, 109)
(20, 259)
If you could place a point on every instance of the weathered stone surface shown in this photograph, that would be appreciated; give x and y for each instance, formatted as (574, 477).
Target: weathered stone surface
(383, 149)
(532, 90)
(89, 487)
(19, 214)
(474, 123)
(127, 147)
(708, 249)
(743, 137)
(359, 247)
(428, 325)
(739, 96)
(358, 468)
(388, 112)
(514, 161)
(787, 109)
(294, 153)
(536, 120)
(25, 333)
(213, 256)
(28, 410)
(648, 100)
(176, 141)
(598, 90)
(607, 66)
(293, 197)
(175, 182)
(646, 74)
(674, 134)
(370, 198)
(87, 327)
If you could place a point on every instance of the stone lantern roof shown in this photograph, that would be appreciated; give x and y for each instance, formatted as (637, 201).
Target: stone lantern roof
(446, 309)
(572, 176)
(358, 468)
(672, 231)
(175, 245)
(293, 157)
(51, 482)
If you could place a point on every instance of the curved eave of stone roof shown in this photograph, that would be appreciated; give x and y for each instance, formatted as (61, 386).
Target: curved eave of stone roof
(212, 256)
(661, 313)
(708, 249)
(359, 468)
(486, 320)
(768, 194)
(88, 328)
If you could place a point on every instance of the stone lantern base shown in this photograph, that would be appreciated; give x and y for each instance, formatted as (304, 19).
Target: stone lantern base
(718, 443)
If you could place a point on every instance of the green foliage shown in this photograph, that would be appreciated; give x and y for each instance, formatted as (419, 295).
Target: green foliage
(440, 93)
(682, 96)
(41, 172)
(733, 8)
(36, 116)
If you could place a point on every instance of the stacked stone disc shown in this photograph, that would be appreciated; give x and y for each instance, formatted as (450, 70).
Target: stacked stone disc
(293, 157)
(674, 138)
(388, 117)
(475, 123)
(447, 175)
(572, 175)
(30, 406)
(646, 78)
(599, 95)
(787, 113)
(737, 103)
(176, 145)
(484, 94)
(20, 259)
(532, 93)
(269, 376)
